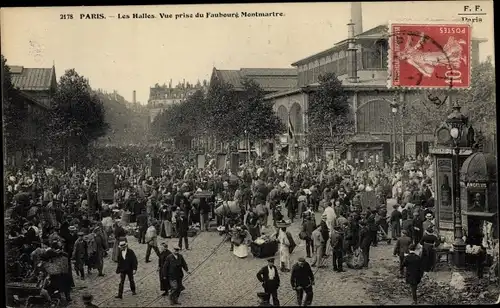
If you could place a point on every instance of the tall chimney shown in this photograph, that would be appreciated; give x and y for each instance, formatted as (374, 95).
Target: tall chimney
(352, 63)
(133, 97)
(357, 17)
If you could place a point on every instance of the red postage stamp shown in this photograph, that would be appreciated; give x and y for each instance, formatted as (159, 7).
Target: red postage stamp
(429, 55)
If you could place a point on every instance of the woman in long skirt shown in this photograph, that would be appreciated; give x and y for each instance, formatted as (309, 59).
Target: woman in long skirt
(166, 221)
(241, 250)
(284, 250)
(120, 235)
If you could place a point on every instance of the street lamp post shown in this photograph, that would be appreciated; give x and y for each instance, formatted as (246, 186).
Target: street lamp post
(457, 122)
(394, 109)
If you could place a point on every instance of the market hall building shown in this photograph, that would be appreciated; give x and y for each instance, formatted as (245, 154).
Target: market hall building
(360, 62)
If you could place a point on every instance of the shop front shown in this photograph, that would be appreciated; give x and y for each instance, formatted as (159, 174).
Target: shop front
(479, 198)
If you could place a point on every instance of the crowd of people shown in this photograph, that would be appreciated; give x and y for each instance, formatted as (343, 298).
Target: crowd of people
(57, 222)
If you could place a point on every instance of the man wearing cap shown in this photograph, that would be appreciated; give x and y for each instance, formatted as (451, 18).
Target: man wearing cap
(401, 248)
(151, 241)
(270, 279)
(173, 271)
(126, 267)
(79, 255)
(302, 280)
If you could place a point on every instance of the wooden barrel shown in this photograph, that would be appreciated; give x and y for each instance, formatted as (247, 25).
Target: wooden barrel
(125, 218)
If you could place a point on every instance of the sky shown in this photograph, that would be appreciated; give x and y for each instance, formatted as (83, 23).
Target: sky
(134, 54)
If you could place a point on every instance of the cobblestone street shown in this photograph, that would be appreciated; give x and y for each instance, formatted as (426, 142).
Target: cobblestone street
(221, 279)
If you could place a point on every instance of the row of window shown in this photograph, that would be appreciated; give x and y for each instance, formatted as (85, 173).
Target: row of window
(370, 59)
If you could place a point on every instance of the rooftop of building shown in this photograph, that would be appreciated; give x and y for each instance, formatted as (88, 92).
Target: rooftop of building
(32, 79)
(377, 33)
(270, 79)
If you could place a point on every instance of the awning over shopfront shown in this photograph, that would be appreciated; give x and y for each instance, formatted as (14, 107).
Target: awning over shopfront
(480, 214)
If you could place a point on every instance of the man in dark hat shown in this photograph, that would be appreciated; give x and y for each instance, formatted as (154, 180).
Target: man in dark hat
(269, 277)
(302, 280)
(173, 271)
(182, 227)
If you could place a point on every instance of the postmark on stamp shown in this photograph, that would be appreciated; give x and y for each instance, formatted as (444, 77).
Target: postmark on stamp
(429, 56)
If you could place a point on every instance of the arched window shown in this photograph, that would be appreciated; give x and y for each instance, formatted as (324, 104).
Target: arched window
(296, 117)
(283, 114)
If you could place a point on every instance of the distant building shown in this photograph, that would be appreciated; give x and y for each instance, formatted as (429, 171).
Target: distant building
(161, 96)
(270, 79)
(38, 83)
(36, 87)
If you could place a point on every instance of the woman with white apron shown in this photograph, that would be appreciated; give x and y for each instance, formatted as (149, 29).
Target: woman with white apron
(284, 250)
(243, 237)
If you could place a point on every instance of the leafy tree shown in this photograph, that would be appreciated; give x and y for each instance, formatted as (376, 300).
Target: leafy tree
(480, 100)
(126, 125)
(233, 116)
(256, 115)
(78, 114)
(181, 122)
(14, 111)
(330, 117)
(422, 115)
(222, 111)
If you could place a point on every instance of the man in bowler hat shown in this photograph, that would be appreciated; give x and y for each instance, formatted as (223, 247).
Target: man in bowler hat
(127, 267)
(270, 279)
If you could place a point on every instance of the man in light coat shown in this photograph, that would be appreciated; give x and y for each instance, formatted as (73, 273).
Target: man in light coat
(318, 243)
(331, 217)
(151, 241)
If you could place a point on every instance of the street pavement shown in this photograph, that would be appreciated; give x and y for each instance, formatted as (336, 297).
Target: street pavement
(219, 278)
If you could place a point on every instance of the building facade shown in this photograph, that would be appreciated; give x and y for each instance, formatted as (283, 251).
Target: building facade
(162, 96)
(35, 89)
